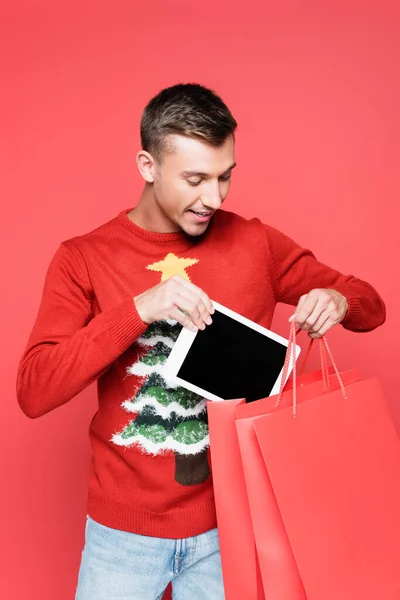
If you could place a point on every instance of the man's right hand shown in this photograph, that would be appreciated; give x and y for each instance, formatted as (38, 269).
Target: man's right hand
(176, 299)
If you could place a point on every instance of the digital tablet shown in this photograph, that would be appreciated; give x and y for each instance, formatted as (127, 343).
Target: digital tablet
(232, 358)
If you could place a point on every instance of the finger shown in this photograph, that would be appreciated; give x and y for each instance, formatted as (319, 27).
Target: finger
(177, 315)
(330, 313)
(198, 306)
(306, 311)
(316, 315)
(316, 328)
(199, 303)
(329, 323)
(191, 295)
(298, 307)
(190, 308)
(197, 291)
(186, 298)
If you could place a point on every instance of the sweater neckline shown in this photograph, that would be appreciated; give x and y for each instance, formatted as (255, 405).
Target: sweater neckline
(145, 234)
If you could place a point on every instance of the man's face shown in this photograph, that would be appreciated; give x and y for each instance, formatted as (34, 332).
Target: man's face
(192, 182)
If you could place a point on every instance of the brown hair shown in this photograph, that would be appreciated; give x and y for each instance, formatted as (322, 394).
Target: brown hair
(185, 109)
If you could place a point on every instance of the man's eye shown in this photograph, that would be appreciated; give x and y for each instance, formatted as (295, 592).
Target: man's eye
(194, 183)
(226, 177)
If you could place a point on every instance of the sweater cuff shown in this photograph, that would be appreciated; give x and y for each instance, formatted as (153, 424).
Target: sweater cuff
(354, 313)
(124, 324)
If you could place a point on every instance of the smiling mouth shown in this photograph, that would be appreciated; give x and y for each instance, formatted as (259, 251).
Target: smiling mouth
(201, 214)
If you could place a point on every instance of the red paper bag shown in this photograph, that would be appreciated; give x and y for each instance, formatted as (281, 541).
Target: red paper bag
(335, 472)
(280, 574)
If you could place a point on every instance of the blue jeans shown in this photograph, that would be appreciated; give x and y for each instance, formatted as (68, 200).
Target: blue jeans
(118, 565)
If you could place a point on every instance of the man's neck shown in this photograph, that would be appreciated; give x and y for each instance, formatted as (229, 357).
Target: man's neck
(148, 215)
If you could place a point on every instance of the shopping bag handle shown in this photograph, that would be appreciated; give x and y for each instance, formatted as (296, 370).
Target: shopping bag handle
(291, 358)
(323, 361)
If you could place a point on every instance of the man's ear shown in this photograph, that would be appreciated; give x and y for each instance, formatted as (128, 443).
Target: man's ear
(146, 166)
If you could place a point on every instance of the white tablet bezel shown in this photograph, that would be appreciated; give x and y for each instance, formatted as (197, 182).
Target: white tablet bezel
(186, 339)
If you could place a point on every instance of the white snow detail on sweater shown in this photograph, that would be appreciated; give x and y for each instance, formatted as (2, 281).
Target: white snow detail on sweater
(169, 444)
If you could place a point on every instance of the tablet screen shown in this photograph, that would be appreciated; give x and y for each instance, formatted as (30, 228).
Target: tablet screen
(231, 359)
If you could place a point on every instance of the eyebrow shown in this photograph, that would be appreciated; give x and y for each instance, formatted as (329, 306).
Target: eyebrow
(200, 174)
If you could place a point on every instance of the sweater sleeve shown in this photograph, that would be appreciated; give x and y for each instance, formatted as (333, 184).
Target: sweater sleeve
(68, 348)
(295, 271)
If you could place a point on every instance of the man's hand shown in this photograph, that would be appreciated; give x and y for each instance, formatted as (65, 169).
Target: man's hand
(176, 299)
(319, 310)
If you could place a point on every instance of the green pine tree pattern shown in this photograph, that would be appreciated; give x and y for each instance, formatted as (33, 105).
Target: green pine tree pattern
(168, 418)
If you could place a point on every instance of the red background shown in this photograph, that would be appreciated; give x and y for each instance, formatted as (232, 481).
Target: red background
(315, 88)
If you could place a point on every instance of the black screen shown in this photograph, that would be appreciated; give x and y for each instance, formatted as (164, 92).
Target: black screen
(232, 360)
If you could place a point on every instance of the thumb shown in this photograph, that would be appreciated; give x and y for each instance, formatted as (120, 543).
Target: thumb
(298, 307)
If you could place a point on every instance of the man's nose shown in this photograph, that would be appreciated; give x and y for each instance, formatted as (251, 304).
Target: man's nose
(213, 198)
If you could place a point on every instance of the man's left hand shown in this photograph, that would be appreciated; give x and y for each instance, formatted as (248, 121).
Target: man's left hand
(319, 310)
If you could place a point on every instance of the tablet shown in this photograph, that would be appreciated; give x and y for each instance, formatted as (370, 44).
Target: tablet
(232, 358)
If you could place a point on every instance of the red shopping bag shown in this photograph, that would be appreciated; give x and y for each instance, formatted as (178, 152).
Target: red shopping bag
(335, 474)
(278, 567)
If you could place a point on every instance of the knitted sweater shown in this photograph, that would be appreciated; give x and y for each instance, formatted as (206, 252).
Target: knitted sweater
(150, 469)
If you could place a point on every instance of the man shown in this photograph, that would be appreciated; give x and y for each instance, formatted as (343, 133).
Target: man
(113, 303)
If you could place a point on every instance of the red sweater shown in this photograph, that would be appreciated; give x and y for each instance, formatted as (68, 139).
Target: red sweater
(149, 439)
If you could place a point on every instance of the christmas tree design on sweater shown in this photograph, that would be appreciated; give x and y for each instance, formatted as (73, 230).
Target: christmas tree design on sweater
(168, 418)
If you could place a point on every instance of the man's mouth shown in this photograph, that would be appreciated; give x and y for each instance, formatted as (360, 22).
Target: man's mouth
(201, 213)
(201, 216)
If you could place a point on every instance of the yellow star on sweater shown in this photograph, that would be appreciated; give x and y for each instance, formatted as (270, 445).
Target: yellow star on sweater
(173, 265)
